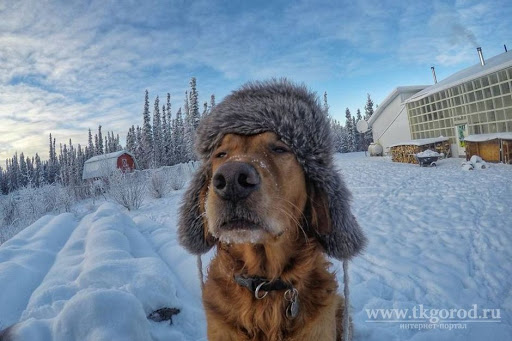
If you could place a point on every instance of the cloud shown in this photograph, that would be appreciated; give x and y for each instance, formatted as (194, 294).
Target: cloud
(88, 63)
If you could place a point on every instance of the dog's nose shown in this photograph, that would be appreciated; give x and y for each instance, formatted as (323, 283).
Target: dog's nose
(235, 180)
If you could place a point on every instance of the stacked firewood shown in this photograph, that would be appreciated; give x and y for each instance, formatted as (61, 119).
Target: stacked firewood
(406, 153)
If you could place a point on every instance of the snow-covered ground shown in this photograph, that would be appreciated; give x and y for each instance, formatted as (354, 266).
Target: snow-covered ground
(440, 238)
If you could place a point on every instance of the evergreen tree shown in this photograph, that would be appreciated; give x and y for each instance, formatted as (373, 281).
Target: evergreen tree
(147, 136)
(212, 102)
(100, 142)
(90, 146)
(368, 112)
(24, 176)
(326, 105)
(139, 148)
(188, 132)
(194, 104)
(350, 131)
(38, 172)
(157, 135)
(179, 138)
(359, 136)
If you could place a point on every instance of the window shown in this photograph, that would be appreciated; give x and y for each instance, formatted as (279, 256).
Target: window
(469, 86)
(507, 100)
(479, 95)
(501, 127)
(471, 97)
(502, 75)
(477, 83)
(492, 128)
(125, 163)
(496, 90)
(505, 88)
(491, 116)
(485, 81)
(489, 104)
(493, 77)
(487, 92)
(498, 103)
(500, 115)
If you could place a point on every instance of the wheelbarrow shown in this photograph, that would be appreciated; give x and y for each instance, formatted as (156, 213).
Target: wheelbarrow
(426, 161)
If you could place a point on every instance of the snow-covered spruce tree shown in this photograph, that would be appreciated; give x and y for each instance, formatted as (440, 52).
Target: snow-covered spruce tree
(350, 131)
(165, 151)
(157, 135)
(212, 103)
(139, 148)
(24, 175)
(194, 104)
(38, 172)
(179, 138)
(188, 127)
(368, 112)
(359, 136)
(205, 109)
(147, 136)
(130, 140)
(100, 142)
(90, 146)
(326, 105)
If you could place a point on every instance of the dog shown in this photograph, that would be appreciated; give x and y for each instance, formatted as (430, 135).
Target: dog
(268, 198)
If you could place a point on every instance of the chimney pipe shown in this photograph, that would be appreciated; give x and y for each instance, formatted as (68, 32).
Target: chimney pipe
(505, 46)
(480, 55)
(434, 74)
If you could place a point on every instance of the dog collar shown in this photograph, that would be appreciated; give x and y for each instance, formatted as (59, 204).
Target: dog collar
(261, 286)
(256, 285)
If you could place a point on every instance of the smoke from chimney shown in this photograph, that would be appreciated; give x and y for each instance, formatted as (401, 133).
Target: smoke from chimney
(434, 74)
(480, 55)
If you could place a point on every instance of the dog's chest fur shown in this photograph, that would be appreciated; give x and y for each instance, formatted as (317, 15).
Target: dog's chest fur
(233, 310)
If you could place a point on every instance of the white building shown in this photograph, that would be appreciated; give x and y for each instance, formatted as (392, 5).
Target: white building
(389, 123)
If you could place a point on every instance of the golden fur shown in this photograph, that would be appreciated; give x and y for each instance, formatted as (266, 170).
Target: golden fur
(288, 210)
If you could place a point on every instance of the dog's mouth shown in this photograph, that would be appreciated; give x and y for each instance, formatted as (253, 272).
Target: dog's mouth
(240, 224)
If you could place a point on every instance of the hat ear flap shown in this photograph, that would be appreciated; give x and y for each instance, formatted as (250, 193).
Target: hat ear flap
(192, 226)
(335, 227)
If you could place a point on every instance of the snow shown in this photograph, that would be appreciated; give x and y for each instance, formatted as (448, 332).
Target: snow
(428, 153)
(421, 142)
(438, 237)
(488, 137)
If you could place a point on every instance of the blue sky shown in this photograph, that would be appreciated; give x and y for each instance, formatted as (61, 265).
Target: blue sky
(66, 66)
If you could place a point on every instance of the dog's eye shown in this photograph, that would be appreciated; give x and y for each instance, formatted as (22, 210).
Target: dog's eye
(220, 155)
(279, 149)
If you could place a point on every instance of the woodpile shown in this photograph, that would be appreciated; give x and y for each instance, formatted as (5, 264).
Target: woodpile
(405, 153)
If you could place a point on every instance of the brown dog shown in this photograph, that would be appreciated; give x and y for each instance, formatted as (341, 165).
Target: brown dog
(262, 236)
(268, 196)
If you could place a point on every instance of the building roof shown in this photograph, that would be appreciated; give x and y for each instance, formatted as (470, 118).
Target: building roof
(397, 91)
(102, 165)
(488, 137)
(493, 64)
(421, 142)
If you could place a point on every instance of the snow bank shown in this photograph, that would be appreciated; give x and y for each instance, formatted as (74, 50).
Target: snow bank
(103, 284)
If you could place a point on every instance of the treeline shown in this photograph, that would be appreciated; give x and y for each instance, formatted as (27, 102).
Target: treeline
(346, 137)
(64, 167)
(164, 140)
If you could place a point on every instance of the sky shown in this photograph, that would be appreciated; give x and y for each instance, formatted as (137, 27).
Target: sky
(66, 66)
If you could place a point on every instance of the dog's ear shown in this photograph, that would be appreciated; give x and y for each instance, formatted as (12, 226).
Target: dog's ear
(332, 221)
(192, 226)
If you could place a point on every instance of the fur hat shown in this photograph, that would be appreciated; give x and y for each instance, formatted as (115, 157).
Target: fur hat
(293, 113)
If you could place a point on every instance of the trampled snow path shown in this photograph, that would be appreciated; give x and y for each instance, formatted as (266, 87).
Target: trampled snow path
(439, 237)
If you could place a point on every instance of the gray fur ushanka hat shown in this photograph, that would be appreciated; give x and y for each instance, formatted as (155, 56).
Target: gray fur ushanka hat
(293, 113)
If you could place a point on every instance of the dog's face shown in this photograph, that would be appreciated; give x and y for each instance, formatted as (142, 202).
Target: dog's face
(257, 190)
